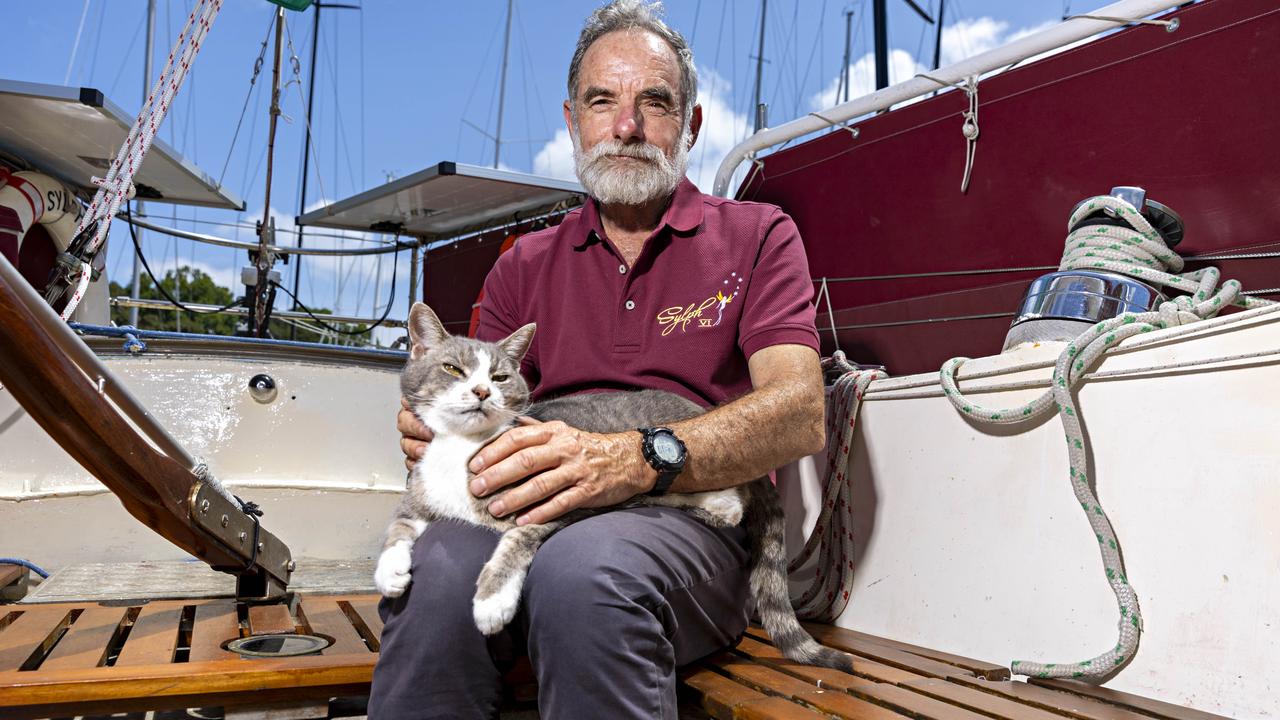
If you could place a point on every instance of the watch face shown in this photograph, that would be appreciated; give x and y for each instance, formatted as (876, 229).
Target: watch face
(666, 447)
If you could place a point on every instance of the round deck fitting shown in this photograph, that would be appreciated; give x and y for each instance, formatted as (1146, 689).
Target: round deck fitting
(272, 646)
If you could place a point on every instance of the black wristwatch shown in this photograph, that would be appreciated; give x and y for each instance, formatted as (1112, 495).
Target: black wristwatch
(665, 453)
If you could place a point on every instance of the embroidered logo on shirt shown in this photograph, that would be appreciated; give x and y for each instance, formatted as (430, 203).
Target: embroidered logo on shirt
(679, 316)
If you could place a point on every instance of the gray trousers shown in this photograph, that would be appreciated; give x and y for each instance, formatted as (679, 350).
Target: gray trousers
(612, 606)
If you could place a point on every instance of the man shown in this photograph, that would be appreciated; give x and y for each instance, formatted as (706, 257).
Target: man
(651, 284)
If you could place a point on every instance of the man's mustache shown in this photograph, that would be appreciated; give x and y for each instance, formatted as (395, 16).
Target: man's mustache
(640, 151)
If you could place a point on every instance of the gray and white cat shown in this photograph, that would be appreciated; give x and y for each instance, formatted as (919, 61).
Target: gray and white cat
(469, 392)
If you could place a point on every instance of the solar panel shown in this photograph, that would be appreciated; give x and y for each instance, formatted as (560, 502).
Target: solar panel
(73, 134)
(447, 200)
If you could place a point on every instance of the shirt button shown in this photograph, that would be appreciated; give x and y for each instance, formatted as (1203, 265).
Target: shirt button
(622, 269)
(631, 305)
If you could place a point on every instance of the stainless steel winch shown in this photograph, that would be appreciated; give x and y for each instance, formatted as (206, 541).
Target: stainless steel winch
(1061, 305)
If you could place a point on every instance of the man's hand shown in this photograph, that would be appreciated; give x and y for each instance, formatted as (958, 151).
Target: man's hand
(414, 436)
(566, 469)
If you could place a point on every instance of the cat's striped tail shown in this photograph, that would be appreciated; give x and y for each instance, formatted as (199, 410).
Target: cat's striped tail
(766, 526)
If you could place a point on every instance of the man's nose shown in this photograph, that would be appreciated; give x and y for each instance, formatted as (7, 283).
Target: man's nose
(481, 391)
(628, 126)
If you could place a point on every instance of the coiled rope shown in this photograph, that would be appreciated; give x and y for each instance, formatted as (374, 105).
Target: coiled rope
(117, 187)
(1137, 250)
(832, 538)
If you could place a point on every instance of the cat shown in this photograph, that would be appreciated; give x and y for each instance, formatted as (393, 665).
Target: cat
(469, 392)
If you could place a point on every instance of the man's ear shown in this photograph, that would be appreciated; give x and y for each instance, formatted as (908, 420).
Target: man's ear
(695, 125)
(425, 330)
(516, 344)
(568, 116)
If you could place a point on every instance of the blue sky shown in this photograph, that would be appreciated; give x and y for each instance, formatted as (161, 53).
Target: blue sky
(401, 82)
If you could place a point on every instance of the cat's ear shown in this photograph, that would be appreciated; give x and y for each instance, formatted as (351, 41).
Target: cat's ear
(517, 343)
(425, 330)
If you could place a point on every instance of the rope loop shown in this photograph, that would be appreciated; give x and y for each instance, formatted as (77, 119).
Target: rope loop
(1137, 250)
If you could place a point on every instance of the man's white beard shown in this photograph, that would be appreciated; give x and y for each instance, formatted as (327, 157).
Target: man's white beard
(614, 182)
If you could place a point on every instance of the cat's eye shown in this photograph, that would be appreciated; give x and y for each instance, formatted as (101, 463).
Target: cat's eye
(500, 377)
(453, 370)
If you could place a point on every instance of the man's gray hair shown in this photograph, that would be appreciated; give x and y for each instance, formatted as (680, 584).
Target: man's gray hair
(636, 15)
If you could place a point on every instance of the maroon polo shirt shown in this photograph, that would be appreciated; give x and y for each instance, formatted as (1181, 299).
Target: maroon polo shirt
(717, 281)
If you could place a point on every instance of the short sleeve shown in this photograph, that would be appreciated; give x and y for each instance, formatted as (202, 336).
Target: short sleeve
(500, 306)
(778, 309)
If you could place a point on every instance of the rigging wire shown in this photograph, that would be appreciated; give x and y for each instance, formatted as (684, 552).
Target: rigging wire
(124, 60)
(97, 43)
(133, 233)
(253, 79)
(71, 62)
(815, 47)
(390, 301)
(475, 85)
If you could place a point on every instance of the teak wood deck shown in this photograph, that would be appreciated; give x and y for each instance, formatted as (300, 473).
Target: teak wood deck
(80, 658)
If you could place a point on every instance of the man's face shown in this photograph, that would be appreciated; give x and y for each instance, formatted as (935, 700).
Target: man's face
(630, 140)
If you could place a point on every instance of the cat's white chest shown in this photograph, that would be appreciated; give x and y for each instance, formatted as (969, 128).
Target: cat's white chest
(441, 477)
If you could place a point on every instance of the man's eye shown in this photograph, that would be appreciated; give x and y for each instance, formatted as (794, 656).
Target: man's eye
(500, 377)
(453, 370)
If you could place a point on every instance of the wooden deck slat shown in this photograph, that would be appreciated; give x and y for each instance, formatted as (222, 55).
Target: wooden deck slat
(367, 607)
(85, 644)
(154, 636)
(1076, 706)
(325, 617)
(717, 694)
(22, 636)
(836, 638)
(1136, 702)
(270, 620)
(990, 671)
(863, 669)
(978, 701)
(775, 709)
(216, 622)
(94, 690)
(835, 702)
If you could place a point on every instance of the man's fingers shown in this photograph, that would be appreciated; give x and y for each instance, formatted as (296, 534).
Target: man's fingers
(509, 443)
(409, 424)
(569, 499)
(404, 402)
(413, 449)
(550, 484)
(514, 468)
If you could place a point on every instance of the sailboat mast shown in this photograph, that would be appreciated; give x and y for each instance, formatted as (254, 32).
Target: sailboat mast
(879, 18)
(306, 158)
(937, 38)
(502, 89)
(844, 71)
(266, 230)
(764, 13)
(146, 89)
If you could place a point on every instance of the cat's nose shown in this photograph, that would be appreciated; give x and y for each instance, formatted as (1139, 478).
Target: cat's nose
(481, 391)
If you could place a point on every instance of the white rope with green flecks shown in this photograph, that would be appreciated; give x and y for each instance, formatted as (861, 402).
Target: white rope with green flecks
(1138, 251)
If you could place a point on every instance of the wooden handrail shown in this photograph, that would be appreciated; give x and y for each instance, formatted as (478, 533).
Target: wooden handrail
(156, 488)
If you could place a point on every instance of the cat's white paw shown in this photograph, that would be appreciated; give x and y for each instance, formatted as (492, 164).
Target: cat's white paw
(726, 508)
(494, 612)
(392, 574)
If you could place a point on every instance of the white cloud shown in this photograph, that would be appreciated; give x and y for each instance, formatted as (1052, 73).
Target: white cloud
(960, 41)
(722, 128)
(862, 77)
(555, 159)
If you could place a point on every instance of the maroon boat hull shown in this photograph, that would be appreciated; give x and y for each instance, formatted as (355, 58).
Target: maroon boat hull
(1191, 115)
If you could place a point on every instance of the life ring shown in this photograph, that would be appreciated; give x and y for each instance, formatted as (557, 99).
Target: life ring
(30, 198)
(38, 219)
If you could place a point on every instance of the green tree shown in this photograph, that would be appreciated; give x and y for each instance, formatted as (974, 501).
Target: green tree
(191, 285)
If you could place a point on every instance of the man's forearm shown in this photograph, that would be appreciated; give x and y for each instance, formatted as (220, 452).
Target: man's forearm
(765, 429)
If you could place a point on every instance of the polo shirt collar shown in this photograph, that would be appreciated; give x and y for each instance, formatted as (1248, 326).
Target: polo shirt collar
(683, 214)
